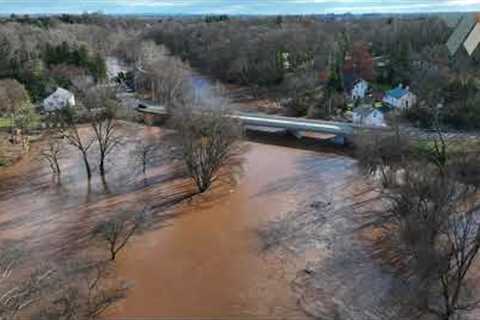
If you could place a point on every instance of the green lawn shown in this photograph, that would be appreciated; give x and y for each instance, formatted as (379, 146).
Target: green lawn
(427, 146)
(5, 122)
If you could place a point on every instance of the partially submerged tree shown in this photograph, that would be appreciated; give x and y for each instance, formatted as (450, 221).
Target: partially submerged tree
(116, 231)
(208, 139)
(52, 153)
(101, 108)
(145, 154)
(68, 122)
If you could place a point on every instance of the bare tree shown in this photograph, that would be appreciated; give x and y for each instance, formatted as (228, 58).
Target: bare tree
(69, 125)
(12, 96)
(116, 231)
(144, 154)
(166, 78)
(435, 223)
(75, 290)
(82, 291)
(15, 102)
(382, 154)
(52, 153)
(16, 295)
(432, 223)
(208, 139)
(101, 107)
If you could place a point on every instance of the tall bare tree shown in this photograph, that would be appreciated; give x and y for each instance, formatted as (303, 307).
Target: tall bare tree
(208, 139)
(101, 107)
(116, 231)
(68, 121)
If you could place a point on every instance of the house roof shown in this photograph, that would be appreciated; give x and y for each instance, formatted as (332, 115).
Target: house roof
(58, 99)
(349, 80)
(397, 93)
(364, 110)
(60, 93)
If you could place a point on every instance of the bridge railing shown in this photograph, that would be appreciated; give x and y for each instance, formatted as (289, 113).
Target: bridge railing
(275, 121)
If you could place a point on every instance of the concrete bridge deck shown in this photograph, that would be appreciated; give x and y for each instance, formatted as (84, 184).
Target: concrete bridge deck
(295, 125)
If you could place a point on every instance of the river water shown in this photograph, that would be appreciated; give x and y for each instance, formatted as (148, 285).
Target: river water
(208, 260)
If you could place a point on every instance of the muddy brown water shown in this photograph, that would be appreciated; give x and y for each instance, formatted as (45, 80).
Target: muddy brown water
(206, 262)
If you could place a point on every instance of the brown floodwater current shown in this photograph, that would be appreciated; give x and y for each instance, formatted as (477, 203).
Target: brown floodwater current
(207, 261)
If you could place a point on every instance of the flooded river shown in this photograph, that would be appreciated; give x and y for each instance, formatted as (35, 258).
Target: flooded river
(205, 262)
(208, 263)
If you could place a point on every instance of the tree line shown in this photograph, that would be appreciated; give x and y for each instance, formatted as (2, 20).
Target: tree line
(42, 58)
(303, 60)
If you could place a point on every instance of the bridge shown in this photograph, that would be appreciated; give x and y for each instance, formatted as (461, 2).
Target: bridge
(339, 130)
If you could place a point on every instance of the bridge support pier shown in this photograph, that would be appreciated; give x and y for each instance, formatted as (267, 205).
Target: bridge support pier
(340, 140)
(297, 134)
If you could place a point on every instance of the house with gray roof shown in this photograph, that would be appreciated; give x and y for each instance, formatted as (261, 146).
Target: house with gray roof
(58, 100)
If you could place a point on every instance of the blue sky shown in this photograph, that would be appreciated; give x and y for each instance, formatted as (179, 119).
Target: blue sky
(234, 6)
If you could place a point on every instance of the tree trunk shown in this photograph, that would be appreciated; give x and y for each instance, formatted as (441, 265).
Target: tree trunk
(102, 165)
(113, 253)
(57, 167)
(87, 166)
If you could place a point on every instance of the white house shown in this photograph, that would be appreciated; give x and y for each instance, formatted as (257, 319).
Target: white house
(359, 89)
(369, 116)
(355, 87)
(60, 99)
(400, 98)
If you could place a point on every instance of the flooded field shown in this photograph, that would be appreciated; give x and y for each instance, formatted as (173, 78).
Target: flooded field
(206, 261)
